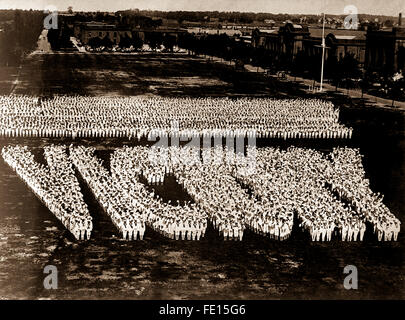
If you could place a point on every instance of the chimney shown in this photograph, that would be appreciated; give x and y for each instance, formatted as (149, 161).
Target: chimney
(400, 19)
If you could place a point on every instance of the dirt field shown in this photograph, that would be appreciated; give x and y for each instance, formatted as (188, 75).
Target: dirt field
(135, 74)
(8, 76)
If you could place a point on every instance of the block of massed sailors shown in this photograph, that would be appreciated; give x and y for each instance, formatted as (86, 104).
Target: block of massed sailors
(55, 184)
(227, 219)
(293, 180)
(82, 116)
(282, 182)
(128, 202)
(330, 194)
(348, 179)
(302, 178)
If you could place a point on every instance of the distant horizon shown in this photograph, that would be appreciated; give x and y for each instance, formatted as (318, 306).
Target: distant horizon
(317, 7)
(274, 13)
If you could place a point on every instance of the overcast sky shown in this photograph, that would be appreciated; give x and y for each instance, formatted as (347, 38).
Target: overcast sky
(384, 7)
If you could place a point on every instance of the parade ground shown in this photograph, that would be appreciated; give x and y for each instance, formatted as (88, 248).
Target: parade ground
(121, 74)
(107, 267)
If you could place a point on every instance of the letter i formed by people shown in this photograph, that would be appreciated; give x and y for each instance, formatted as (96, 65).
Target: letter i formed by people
(51, 280)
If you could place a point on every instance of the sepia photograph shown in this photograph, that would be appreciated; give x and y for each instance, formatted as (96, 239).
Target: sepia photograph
(202, 150)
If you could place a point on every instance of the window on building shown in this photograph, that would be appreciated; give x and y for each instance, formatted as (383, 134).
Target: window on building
(115, 34)
(100, 34)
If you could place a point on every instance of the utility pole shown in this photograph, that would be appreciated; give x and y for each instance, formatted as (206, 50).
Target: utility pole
(323, 52)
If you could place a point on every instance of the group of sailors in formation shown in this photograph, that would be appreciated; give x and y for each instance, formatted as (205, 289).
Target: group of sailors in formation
(130, 204)
(82, 116)
(330, 195)
(55, 184)
(211, 182)
(348, 180)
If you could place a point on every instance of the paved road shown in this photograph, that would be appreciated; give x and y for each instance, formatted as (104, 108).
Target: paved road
(43, 45)
(74, 42)
(353, 93)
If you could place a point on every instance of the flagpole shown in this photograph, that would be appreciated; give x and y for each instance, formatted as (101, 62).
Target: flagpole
(323, 52)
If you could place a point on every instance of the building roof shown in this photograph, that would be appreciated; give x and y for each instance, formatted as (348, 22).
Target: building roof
(168, 29)
(292, 28)
(345, 37)
(342, 34)
(94, 25)
(268, 31)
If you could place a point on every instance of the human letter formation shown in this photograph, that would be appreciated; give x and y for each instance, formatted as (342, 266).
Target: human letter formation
(330, 195)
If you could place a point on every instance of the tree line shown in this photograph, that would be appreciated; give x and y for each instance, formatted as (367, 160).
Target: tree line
(20, 35)
(249, 17)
